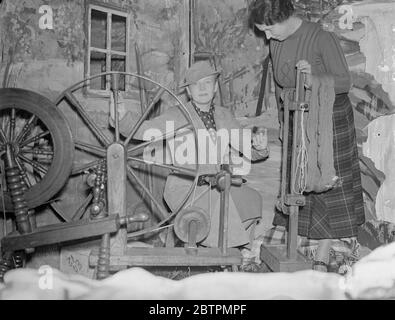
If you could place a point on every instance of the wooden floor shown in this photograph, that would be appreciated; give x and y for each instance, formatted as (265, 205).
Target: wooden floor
(265, 175)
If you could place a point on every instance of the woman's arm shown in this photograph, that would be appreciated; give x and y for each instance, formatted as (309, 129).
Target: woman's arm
(237, 140)
(334, 62)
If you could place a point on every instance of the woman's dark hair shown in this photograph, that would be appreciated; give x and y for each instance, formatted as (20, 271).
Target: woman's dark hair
(269, 12)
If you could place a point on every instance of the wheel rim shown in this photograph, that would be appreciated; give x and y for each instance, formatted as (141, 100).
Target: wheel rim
(98, 150)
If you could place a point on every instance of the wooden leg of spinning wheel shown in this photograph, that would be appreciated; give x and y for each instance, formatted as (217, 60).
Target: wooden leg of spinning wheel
(170, 240)
(224, 215)
(6, 264)
(103, 263)
(292, 233)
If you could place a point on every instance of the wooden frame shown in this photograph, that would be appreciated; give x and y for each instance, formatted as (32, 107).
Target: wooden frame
(109, 10)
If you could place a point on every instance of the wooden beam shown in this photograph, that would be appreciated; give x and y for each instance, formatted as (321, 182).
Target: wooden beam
(140, 257)
(61, 232)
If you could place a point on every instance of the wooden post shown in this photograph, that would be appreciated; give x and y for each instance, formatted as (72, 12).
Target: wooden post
(224, 213)
(116, 193)
(294, 209)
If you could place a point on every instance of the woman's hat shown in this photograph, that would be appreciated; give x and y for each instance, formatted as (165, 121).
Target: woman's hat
(197, 71)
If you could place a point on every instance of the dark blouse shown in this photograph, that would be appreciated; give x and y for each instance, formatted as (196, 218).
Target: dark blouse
(206, 116)
(320, 48)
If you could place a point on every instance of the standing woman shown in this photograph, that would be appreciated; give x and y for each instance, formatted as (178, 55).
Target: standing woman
(298, 44)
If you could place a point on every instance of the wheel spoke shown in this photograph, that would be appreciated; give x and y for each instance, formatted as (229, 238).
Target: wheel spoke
(4, 124)
(37, 151)
(147, 111)
(34, 139)
(81, 168)
(26, 129)
(3, 136)
(44, 161)
(103, 139)
(155, 140)
(23, 173)
(81, 210)
(34, 164)
(98, 151)
(132, 176)
(188, 172)
(12, 125)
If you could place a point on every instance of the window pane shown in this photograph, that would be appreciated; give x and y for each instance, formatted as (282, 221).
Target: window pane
(98, 65)
(118, 33)
(98, 29)
(118, 64)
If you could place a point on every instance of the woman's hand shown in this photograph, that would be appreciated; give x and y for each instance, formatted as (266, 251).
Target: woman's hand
(305, 68)
(259, 141)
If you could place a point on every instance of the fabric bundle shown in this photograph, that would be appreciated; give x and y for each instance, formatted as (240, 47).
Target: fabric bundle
(320, 172)
(315, 171)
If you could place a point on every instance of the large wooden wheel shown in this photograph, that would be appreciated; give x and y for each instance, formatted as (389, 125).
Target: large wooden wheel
(41, 144)
(91, 146)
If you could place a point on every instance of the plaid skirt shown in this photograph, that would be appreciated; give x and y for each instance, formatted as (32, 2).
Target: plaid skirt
(336, 213)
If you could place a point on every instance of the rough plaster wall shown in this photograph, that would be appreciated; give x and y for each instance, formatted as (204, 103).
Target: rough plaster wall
(380, 147)
(378, 42)
(45, 61)
(222, 29)
(48, 61)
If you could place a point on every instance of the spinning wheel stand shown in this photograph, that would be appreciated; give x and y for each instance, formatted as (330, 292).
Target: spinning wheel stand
(191, 225)
(281, 258)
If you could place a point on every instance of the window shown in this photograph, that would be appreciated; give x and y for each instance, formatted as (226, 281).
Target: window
(107, 45)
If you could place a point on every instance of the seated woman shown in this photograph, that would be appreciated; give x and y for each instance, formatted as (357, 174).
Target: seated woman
(220, 141)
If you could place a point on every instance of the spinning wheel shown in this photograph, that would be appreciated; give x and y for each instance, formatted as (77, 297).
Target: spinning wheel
(96, 153)
(39, 140)
(109, 165)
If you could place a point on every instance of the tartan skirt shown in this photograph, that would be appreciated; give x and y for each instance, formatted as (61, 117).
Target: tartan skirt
(336, 213)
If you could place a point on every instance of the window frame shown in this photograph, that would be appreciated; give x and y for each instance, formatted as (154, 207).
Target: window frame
(109, 11)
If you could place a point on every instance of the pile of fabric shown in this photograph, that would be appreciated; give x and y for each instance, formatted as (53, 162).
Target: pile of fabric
(373, 277)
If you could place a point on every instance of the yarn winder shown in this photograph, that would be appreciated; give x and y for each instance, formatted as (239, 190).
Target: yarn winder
(287, 258)
(104, 211)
